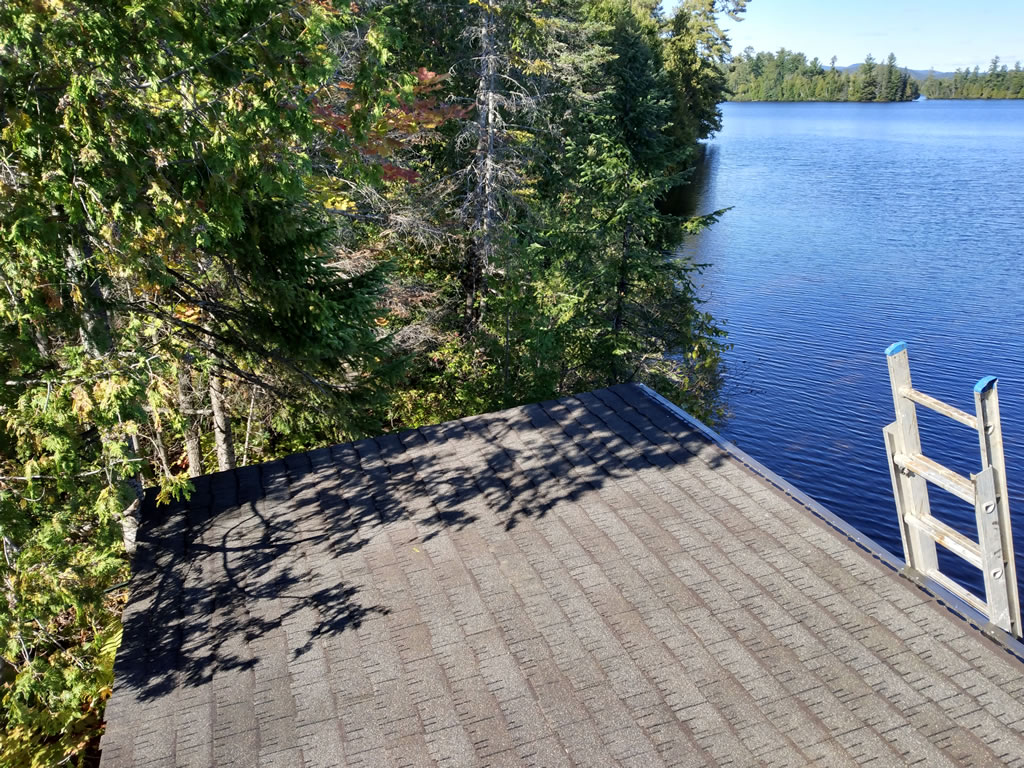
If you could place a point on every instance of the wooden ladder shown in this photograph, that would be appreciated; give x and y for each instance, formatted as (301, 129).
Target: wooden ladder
(911, 471)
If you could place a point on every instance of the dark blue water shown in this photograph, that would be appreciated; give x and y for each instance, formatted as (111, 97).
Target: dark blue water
(854, 226)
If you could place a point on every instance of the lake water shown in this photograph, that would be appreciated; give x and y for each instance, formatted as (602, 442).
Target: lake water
(855, 226)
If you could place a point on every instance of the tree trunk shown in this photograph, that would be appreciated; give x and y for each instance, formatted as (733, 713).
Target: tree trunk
(616, 373)
(223, 440)
(130, 526)
(186, 405)
(622, 287)
(485, 192)
(97, 340)
(158, 444)
(94, 332)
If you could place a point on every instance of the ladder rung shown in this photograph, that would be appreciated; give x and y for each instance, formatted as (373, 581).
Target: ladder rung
(964, 594)
(934, 472)
(951, 539)
(940, 407)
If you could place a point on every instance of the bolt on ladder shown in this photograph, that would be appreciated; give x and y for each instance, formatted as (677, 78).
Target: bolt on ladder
(911, 471)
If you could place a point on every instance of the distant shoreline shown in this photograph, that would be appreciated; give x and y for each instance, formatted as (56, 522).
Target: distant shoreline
(784, 76)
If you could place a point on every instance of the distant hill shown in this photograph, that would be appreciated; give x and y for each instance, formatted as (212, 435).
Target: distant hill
(919, 74)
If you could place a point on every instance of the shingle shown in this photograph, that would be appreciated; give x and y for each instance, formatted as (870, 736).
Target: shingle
(588, 581)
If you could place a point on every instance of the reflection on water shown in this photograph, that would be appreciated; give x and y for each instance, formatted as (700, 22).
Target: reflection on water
(854, 226)
(686, 199)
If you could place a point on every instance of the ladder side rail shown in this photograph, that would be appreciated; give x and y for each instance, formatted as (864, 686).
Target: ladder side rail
(900, 492)
(990, 438)
(913, 489)
(991, 545)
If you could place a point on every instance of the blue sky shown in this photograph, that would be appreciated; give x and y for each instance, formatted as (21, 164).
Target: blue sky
(944, 34)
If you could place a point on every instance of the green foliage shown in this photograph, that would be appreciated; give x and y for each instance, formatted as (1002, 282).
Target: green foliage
(160, 232)
(275, 219)
(62, 551)
(634, 313)
(788, 76)
(866, 87)
(998, 82)
(696, 52)
(583, 289)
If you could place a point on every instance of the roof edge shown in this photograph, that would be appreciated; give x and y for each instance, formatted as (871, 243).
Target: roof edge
(946, 598)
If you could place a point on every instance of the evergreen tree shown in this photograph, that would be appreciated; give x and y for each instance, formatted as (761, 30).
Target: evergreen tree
(867, 86)
(635, 314)
(165, 258)
(892, 86)
(998, 82)
(570, 72)
(695, 55)
(788, 76)
(199, 203)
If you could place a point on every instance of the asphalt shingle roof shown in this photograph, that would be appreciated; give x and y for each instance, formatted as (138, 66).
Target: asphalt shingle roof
(585, 582)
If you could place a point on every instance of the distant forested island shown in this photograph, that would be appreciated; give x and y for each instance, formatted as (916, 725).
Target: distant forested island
(790, 76)
(998, 82)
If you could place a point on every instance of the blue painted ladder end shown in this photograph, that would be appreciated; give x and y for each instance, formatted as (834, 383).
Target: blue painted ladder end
(985, 384)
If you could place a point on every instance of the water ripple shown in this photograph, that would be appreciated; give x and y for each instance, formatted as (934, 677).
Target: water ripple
(852, 228)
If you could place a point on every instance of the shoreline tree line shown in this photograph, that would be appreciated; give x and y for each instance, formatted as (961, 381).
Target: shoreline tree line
(235, 231)
(789, 76)
(998, 82)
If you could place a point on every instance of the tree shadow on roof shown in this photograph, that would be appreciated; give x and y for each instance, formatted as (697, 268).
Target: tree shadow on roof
(264, 565)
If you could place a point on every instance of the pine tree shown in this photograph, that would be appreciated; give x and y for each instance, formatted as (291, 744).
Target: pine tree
(891, 86)
(633, 314)
(585, 145)
(867, 86)
(696, 51)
